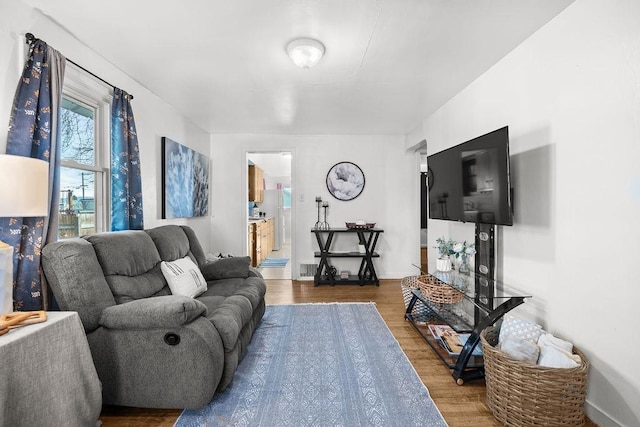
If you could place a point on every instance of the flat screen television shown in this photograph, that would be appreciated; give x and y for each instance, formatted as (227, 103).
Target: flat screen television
(470, 182)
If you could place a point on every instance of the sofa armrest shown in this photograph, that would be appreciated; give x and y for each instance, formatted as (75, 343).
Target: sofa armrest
(156, 312)
(254, 272)
(226, 268)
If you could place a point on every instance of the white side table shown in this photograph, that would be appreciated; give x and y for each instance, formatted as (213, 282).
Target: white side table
(47, 376)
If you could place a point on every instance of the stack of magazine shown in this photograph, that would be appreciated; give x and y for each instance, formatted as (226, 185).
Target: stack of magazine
(450, 340)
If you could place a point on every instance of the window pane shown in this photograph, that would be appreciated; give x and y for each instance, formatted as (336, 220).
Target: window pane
(77, 125)
(77, 203)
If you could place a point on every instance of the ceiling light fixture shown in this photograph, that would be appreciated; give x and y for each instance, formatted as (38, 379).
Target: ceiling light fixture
(305, 52)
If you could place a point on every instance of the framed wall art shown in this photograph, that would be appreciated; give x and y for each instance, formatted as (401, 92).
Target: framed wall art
(185, 181)
(345, 181)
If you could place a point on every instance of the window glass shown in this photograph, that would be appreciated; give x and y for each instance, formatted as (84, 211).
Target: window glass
(78, 174)
(77, 132)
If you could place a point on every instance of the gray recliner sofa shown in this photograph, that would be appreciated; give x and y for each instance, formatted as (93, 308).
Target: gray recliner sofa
(151, 348)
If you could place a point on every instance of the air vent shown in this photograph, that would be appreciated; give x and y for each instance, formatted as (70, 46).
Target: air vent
(308, 270)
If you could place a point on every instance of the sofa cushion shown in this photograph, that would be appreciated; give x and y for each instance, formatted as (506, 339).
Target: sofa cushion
(125, 253)
(130, 263)
(149, 284)
(226, 268)
(252, 288)
(171, 241)
(230, 317)
(184, 277)
(211, 301)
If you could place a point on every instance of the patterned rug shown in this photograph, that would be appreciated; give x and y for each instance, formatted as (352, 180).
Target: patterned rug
(321, 365)
(274, 262)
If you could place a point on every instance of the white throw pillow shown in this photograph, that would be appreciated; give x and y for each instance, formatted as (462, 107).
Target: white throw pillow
(523, 329)
(184, 277)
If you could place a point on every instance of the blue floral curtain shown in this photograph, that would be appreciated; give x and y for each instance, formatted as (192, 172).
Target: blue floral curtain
(33, 132)
(126, 182)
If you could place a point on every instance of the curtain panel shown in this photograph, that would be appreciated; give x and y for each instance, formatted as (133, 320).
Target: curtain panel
(126, 181)
(34, 132)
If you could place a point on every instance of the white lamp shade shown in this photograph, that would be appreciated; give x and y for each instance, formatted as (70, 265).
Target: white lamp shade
(305, 53)
(24, 186)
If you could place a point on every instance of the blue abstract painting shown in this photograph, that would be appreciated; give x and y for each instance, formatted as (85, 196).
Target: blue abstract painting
(185, 181)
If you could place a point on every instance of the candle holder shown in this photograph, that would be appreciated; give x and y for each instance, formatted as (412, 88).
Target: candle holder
(324, 225)
(318, 223)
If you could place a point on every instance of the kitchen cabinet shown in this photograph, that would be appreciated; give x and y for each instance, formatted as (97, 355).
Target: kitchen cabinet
(256, 184)
(261, 240)
(251, 232)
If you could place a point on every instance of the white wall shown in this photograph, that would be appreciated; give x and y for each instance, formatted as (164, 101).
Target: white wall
(154, 118)
(389, 196)
(570, 95)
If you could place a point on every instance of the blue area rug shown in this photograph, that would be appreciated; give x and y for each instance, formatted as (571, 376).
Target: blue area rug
(321, 365)
(274, 262)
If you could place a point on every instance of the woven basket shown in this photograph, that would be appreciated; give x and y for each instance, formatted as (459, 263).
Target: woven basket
(408, 285)
(522, 394)
(437, 291)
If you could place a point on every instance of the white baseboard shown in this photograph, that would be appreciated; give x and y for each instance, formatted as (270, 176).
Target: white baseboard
(600, 418)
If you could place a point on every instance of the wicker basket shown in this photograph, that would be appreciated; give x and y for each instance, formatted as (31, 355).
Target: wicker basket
(408, 285)
(437, 291)
(522, 394)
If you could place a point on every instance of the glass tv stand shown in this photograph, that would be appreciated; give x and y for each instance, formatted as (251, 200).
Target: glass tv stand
(483, 302)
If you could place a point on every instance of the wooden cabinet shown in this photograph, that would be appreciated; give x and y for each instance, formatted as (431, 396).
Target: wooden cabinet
(251, 232)
(261, 240)
(268, 236)
(256, 184)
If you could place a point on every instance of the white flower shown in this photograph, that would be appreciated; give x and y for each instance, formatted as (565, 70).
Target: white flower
(458, 247)
(470, 251)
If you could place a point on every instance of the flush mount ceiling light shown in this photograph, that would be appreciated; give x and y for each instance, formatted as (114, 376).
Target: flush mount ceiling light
(305, 52)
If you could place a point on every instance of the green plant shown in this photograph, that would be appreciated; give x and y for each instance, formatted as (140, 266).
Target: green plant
(444, 246)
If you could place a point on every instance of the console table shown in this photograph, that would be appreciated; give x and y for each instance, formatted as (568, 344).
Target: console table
(484, 302)
(366, 273)
(48, 376)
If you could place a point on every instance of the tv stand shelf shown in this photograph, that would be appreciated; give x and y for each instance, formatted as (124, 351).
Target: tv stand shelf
(366, 272)
(470, 316)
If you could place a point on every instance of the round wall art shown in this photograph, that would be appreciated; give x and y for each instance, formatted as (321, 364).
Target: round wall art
(345, 181)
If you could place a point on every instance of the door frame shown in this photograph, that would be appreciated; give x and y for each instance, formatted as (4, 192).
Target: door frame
(245, 198)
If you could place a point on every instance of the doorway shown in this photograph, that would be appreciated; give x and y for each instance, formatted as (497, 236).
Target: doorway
(424, 203)
(272, 203)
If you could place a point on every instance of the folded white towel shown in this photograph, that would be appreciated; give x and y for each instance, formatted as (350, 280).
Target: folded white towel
(552, 357)
(557, 353)
(520, 349)
(549, 339)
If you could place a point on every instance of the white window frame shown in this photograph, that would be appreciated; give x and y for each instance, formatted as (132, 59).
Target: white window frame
(85, 89)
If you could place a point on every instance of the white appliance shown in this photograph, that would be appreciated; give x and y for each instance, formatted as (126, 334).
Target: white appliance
(272, 205)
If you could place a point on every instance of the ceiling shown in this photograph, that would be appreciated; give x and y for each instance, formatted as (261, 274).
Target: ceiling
(388, 64)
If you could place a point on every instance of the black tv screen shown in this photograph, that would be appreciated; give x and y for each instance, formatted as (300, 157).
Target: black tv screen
(470, 182)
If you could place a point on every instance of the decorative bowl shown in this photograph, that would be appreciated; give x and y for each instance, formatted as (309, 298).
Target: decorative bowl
(366, 225)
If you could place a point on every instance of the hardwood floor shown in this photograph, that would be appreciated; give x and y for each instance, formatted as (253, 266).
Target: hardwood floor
(460, 405)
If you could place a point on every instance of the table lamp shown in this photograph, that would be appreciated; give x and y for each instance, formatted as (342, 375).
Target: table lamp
(24, 190)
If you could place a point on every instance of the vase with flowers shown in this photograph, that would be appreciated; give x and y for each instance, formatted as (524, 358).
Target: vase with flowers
(462, 251)
(445, 248)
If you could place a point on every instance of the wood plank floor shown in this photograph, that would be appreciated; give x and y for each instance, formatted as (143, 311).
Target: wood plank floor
(460, 405)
